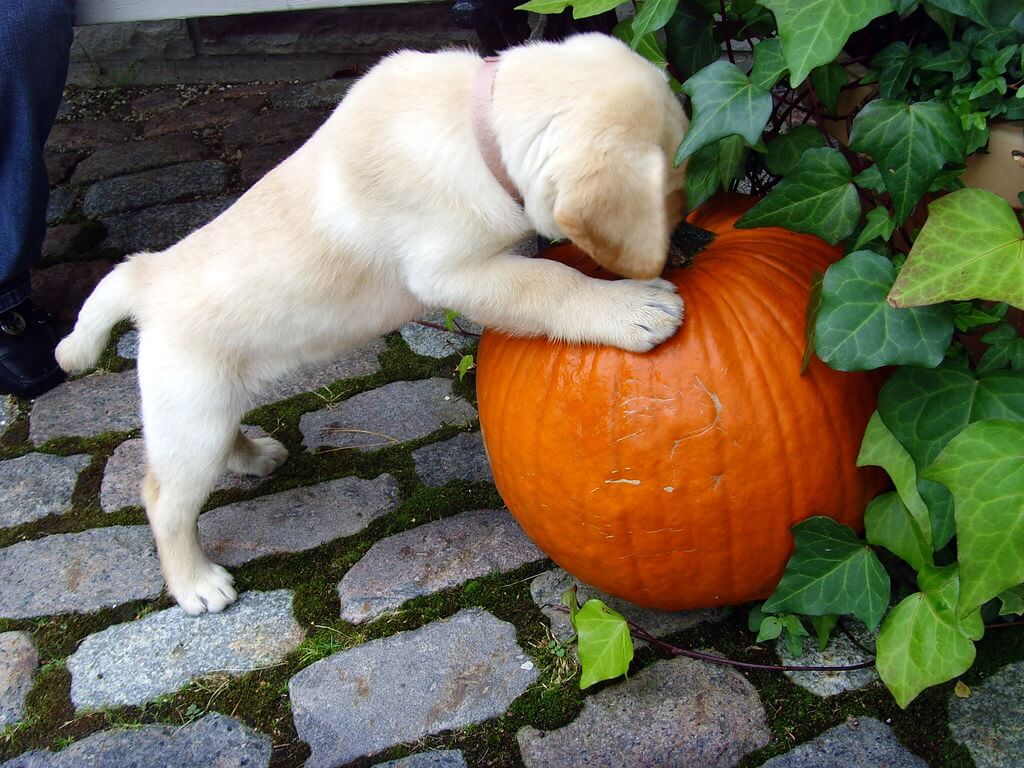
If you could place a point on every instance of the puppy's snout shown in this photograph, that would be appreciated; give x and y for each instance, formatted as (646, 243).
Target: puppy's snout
(644, 271)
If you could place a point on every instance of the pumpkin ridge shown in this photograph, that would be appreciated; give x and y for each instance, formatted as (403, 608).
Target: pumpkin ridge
(720, 460)
(771, 398)
(822, 403)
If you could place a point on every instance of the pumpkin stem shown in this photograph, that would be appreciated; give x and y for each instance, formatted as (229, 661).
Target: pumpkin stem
(686, 242)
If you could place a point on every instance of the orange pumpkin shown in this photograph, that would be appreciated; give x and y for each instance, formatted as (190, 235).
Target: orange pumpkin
(672, 478)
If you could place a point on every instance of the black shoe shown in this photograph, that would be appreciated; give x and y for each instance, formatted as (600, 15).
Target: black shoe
(27, 365)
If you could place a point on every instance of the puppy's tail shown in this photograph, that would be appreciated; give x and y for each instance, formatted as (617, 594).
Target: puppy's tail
(110, 302)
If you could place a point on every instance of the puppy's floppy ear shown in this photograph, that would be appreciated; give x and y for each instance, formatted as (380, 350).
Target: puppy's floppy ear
(614, 208)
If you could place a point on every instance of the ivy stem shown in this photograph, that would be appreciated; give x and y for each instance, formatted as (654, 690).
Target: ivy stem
(728, 39)
(686, 242)
(674, 650)
(458, 328)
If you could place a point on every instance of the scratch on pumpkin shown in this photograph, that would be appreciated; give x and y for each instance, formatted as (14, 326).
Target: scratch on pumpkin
(716, 423)
(654, 554)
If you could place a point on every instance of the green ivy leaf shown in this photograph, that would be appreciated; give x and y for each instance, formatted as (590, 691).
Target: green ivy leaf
(465, 363)
(811, 319)
(888, 523)
(826, 81)
(880, 448)
(817, 197)
(956, 60)
(569, 601)
(971, 247)
(946, 581)
(545, 6)
(731, 154)
(785, 151)
(813, 32)
(724, 104)
(795, 634)
(771, 628)
(879, 224)
(967, 315)
(583, 9)
(449, 319)
(926, 407)
(921, 642)
(653, 15)
(703, 178)
(910, 143)
(754, 618)
(939, 501)
(689, 39)
(769, 65)
(857, 330)
(976, 10)
(823, 626)
(870, 178)
(945, 20)
(605, 647)
(649, 47)
(1006, 347)
(1012, 601)
(894, 64)
(983, 467)
(831, 571)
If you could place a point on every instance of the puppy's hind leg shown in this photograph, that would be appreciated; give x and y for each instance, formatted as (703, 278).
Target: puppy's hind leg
(259, 456)
(190, 423)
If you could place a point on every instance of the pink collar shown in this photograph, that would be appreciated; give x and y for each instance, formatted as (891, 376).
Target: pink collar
(481, 106)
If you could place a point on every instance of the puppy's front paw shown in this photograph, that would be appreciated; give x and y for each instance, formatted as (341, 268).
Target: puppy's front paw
(651, 312)
(210, 590)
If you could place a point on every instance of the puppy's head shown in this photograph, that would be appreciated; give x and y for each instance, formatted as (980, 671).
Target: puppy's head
(618, 195)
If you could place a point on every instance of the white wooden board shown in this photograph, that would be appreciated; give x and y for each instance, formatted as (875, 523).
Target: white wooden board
(106, 11)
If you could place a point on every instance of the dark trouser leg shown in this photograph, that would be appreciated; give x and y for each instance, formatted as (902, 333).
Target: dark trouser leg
(35, 39)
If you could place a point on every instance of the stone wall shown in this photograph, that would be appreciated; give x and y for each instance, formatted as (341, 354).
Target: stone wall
(298, 45)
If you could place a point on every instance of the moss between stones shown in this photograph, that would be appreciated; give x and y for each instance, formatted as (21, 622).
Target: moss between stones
(260, 698)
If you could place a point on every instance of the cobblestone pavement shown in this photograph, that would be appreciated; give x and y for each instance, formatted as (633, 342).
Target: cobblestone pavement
(391, 611)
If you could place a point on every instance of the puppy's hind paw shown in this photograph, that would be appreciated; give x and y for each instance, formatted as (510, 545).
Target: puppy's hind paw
(258, 456)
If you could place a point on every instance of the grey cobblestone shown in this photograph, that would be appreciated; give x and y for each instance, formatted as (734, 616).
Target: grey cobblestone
(433, 557)
(36, 485)
(171, 184)
(78, 572)
(462, 457)
(682, 713)
(91, 405)
(439, 677)
(18, 662)
(215, 741)
(295, 520)
(392, 414)
(138, 661)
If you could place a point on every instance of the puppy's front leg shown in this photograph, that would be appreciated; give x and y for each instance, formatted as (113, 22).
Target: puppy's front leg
(543, 297)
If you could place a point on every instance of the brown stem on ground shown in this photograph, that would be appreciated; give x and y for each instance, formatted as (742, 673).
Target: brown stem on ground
(673, 650)
(458, 328)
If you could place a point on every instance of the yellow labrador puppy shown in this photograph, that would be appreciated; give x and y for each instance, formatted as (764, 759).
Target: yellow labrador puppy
(392, 206)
